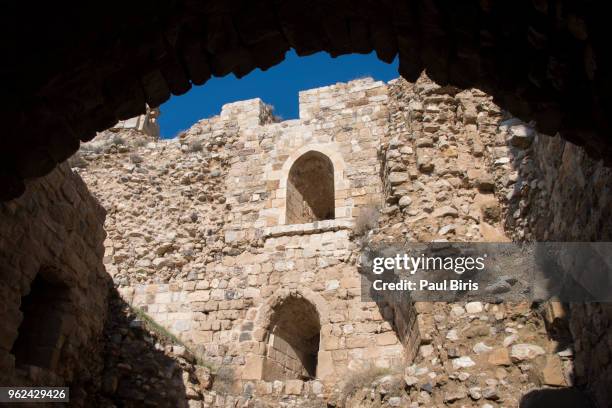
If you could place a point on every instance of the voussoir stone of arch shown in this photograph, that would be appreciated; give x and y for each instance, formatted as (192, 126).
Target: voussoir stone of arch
(265, 313)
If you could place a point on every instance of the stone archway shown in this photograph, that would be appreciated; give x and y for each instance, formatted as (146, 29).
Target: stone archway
(293, 339)
(286, 315)
(310, 189)
(325, 151)
(540, 60)
(47, 322)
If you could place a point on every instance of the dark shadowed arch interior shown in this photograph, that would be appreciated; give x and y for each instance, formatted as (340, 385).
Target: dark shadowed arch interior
(293, 341)
(77, 68)
(310, 189)
(46, 323)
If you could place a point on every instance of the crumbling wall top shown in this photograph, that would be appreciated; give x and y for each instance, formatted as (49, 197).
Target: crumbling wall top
(340, 95)
(145, 123)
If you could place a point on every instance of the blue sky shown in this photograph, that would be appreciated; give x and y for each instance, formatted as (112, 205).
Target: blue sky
(278, 86)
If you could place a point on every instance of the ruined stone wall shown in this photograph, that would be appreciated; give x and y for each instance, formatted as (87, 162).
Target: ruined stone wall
(560, 194)
(437, 182)
(551, 190)
(145, 123)
(53, 284)
(198, 238)
(499, 179)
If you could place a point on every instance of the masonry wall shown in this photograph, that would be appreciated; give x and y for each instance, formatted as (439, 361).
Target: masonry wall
(437, 181)
(563, 195)
(457, 167)
(198, 234)
(52, 238)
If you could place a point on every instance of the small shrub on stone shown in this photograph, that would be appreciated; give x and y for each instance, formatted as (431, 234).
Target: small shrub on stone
(361, 379)
(195, 146)
(366, 220)
(77, 161)
(118, 140)
(136, 158)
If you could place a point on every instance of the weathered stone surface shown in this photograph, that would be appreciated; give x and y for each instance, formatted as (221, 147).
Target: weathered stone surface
(480, 348)
(463, 362)
(499, 357)
(473, 307)
(552, 373)
(445, 211)
(524, 352)
(398, 178)
(405, 201)
(294, 387)
(452, 396)
(53, 285)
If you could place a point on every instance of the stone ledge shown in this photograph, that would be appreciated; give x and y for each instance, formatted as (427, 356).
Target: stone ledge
(316, 227)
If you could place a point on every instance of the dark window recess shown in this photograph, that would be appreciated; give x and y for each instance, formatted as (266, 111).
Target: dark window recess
(310, 189)
(293, 341)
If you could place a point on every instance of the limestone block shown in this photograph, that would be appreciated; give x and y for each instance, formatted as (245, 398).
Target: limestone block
(499, 357)
(397, 178)
(523, 352)
(294, 387)
(199, 296)
(325, 366)
(473, 307)
(358, 341)
(253, 368)
(445, 211)
(386, 339)
(462, 362)
(424, 158)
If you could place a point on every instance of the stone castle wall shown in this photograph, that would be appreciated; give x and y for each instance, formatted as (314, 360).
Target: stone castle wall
(438, 183)
(53, 284)
(145, 123)
(563, 195)
(199, 237)
(501, 179)
(197, 234)
(214, 236)
(200, 234)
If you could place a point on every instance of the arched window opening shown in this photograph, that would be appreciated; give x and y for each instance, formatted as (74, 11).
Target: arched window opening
(310, 189)
(46, 323)
(293, 341)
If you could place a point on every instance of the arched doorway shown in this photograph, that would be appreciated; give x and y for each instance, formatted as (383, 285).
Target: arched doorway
(310, 189)
(292, 344)
(47, 322)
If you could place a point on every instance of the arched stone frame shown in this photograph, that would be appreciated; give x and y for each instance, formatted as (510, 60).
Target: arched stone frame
(341, 184)
(48, 319)
(263, 321)
(264, 314)
(310, 193)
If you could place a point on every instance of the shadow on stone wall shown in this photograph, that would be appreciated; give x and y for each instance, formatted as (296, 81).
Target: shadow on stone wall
(141, 367)
(562, 195)
(395, 308)
(557, 398)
